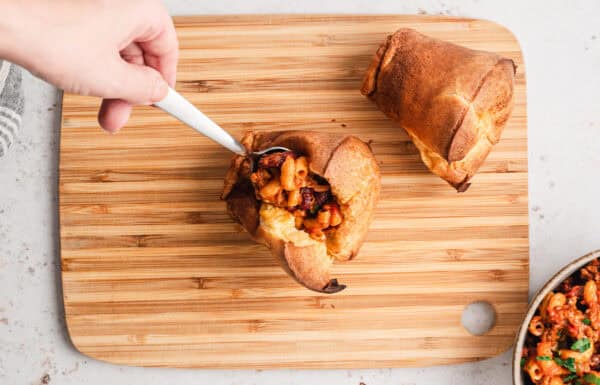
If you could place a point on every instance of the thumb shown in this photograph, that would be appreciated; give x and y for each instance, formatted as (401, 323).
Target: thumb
(138, 83)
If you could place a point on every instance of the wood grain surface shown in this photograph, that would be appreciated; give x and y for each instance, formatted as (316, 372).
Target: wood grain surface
(156, 274)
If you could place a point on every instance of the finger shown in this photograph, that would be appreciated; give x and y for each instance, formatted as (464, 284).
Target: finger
(161, 51)
(135, 83)
(113, 114)
(133, 53)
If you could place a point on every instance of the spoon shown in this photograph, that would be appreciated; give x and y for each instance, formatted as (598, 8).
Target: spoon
(181, 108)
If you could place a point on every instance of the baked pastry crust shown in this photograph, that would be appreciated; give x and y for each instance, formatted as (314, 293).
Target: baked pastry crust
(351, 170)
(452, 101)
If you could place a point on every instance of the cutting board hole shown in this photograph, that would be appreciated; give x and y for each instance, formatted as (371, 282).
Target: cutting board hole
(479, 317)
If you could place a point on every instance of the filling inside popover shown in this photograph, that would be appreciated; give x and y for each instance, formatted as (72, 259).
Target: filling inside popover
(283, 180)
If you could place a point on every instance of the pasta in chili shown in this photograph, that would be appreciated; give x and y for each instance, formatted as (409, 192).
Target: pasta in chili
(561, 346)
(283, 179)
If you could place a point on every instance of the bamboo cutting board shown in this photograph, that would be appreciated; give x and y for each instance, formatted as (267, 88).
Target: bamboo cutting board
(156, 274)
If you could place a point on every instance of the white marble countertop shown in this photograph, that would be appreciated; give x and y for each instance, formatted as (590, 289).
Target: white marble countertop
(561, 44)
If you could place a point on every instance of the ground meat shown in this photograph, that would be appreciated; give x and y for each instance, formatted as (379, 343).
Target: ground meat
(274, 159)
(595, 362)
(590, 272)
(260, 177)
(321, 198)
(575, 291)
(566, 285)
(313, 200)
(307, 200)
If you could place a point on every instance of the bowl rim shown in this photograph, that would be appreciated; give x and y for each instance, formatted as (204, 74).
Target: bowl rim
(550, 285)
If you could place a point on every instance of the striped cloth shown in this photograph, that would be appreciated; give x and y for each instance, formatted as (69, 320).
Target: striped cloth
(11, 104)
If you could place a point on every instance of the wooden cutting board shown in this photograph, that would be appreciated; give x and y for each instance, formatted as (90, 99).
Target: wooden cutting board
(156, 274)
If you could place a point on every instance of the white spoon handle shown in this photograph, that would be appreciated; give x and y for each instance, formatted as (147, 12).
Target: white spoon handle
(180, 108)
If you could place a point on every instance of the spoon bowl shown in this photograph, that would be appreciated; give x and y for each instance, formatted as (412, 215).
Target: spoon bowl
(257, 154)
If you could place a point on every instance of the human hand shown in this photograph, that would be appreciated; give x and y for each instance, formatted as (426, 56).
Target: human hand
(123, 51)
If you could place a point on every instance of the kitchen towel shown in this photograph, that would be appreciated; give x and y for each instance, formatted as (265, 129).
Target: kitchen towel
(11, 104)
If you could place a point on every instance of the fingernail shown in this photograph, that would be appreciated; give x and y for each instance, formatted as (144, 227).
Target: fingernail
(160, 90)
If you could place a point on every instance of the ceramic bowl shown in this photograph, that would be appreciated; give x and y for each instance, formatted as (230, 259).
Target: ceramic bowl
(564, 273)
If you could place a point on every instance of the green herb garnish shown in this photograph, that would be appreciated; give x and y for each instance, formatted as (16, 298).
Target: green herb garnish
(523, 361)
(586, 321)
(569, 363)
(543, 358)
(581, 345)
(592, 379)
(570, 377)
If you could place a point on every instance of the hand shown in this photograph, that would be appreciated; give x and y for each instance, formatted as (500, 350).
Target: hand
(123, 51)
